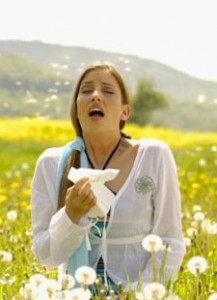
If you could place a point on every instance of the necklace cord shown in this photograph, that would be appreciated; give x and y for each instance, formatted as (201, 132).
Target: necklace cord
(108, 159)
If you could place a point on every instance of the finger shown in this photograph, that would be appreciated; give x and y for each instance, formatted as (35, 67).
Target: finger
(89, 202)
(78, 185)
(85, 190)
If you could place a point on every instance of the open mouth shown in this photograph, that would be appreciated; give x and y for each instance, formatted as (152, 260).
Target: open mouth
(96, 113)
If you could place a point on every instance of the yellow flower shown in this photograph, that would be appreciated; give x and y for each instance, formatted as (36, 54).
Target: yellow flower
(3, 198)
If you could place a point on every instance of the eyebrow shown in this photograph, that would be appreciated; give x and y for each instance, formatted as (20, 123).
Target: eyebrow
(86, 82)
(104, 83)
(108, 84)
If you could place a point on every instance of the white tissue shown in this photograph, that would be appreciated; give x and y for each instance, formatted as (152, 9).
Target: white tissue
(97, 179)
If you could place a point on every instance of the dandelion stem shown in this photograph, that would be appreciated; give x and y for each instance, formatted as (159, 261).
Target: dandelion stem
(163, 263)
(1, 291)
(197, 285)
(153, 266)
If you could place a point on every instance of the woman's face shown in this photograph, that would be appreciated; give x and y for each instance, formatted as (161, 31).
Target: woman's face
(99, 103)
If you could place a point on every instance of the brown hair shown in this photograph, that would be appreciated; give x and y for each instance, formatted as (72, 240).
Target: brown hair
(74, 159)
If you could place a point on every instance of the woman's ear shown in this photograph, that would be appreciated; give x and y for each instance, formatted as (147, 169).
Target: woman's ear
(126, 112)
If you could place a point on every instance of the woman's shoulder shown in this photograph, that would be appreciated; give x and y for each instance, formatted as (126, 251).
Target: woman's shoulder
(145, 143)
(51, 154)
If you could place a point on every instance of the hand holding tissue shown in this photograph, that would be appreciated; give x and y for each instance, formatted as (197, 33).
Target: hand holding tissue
(97, 179)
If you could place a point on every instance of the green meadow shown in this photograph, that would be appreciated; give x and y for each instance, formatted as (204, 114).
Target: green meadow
(22, 141)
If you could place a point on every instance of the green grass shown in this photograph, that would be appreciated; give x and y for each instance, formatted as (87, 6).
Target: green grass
(197, 165)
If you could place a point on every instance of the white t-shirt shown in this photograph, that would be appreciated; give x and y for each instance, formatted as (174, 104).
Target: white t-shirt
(148, 202)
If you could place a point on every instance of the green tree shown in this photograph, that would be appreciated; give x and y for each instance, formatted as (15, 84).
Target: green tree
(145, 100)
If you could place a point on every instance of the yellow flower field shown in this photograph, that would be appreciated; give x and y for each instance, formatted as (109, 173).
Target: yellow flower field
(22, 140)
(60, 131)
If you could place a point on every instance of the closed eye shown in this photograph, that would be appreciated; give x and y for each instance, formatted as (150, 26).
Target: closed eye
(85, 91)
(108, 92)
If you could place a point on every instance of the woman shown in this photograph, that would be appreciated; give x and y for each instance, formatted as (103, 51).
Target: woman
(147, 198)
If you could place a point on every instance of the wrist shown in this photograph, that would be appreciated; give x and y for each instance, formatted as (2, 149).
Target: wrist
(75, 218)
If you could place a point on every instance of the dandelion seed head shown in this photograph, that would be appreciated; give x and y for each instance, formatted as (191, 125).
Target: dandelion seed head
(78, 294)
(54, 65)
(28, 291)
(48, 289)
(196, 207)
(37, 279)
(12, 215)
(127, 69)
(173, 297)
(85, 275)
(201, 98)
(214, 148)
(199, 216)
(52, 284)
(194, 224)
(7, 279)
(31, 100)
(191, 232)
(64, 67)
(152, 243)
(53, 97)
(5, 256)
(25, 166)
(140, 296)
(29, 232)
(9, 174)
(154, 290)
(213, 297)
(212, 228)
(205, 223)
(202, 162)
(197, 265)
(14, 239)
(67, 281)
(17, 173)
(187, 241)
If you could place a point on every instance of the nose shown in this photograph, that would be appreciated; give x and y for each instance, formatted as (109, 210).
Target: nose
(96, 96)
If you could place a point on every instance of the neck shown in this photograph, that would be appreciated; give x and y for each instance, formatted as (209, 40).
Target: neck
(100, 148)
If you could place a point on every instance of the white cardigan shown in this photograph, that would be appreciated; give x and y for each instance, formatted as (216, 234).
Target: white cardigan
(148, 202)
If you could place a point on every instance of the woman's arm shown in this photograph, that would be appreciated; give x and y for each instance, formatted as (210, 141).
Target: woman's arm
(167, 218)
(55, 236)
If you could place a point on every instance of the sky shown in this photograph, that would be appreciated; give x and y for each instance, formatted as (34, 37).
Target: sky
(178, 33)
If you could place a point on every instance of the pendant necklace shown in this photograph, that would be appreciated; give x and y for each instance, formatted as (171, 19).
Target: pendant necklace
(108, 159)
